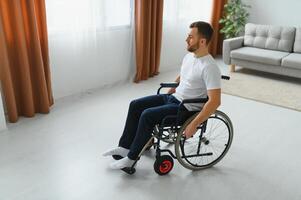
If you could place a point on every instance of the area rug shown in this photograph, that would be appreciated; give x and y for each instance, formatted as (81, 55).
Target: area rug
(265, 87)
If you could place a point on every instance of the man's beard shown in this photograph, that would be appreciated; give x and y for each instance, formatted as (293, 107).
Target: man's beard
(193, 48)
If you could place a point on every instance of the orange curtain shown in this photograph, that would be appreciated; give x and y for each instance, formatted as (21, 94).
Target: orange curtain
(148, 33)
(216, 44)
(24, 60)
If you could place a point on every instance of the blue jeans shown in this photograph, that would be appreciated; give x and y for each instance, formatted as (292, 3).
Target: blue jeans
(143, 115)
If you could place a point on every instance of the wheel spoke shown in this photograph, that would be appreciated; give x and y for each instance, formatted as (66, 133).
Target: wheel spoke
(217, 135)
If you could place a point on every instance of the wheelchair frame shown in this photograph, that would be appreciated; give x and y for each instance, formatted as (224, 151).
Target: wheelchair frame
(176, 128)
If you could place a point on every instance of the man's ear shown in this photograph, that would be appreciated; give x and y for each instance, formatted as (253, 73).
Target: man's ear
(204, 41)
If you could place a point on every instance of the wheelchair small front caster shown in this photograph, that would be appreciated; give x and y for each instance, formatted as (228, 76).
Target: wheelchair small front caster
(129, 170)
(163, 165)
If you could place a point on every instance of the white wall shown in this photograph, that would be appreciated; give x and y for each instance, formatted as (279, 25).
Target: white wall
(2, 116)
(275, 12)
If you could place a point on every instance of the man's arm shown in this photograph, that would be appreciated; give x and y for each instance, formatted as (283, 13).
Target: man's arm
(173, 90)
(214, 100)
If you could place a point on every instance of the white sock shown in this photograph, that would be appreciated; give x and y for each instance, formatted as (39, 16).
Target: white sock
(117, 151)
(122, 163)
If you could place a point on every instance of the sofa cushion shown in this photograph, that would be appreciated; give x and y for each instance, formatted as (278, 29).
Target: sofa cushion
(297, 44)
(269, 37)
(259, 55)
(293, 60)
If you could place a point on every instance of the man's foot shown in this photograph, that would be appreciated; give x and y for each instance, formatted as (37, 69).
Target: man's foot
(119, 151)
(123, 163)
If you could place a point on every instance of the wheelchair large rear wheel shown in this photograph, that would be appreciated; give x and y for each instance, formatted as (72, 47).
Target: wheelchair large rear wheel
(208, 146)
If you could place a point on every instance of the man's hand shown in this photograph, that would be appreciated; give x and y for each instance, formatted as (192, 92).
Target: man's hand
(190, 130)
(171, 91)
(210, 106)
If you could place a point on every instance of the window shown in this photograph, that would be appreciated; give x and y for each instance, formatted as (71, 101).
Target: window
(170, 10)
(83, 15)
(183, 10)
(117, 13)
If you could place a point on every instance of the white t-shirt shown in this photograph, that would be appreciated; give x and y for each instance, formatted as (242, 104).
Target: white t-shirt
(197, 76)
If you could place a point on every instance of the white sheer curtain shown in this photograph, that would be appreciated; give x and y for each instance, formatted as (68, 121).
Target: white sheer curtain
(2, 113)
(178, 15)
(90, 43)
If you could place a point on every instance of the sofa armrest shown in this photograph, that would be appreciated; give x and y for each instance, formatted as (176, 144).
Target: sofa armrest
(229, 45)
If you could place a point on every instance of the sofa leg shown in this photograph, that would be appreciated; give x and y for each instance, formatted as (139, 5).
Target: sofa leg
(232, 68)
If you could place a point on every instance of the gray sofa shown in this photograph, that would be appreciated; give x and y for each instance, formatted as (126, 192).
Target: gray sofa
(266, 48)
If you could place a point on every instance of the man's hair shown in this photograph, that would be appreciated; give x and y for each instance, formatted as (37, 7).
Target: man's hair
(204, 29)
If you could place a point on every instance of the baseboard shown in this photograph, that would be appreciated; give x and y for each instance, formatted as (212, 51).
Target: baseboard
(2, 116)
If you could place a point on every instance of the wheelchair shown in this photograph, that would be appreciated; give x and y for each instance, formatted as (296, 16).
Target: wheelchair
(206, 148)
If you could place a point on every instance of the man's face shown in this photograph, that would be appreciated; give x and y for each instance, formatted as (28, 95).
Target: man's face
(195, 41)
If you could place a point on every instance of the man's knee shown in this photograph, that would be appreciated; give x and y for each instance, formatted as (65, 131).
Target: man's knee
(133, 104)
(149, 116)
(137, 103)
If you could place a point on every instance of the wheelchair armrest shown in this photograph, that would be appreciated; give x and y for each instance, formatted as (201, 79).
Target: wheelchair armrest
(225, 77)
(176, 84)
(167, 85)
(170, 84)
(201, 100)
(196, 100)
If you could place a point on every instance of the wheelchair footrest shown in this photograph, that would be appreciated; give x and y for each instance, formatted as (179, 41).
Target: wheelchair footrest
(129, 170)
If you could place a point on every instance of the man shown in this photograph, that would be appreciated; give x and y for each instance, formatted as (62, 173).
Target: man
(200, 77)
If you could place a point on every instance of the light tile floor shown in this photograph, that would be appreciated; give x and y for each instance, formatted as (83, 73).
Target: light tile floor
(58, 156)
